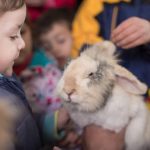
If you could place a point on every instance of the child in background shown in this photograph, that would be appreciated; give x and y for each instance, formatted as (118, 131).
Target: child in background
(53, 38)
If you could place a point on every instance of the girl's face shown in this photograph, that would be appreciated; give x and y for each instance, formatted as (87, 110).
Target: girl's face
(58, 41)
(26, 52)
(11, 23)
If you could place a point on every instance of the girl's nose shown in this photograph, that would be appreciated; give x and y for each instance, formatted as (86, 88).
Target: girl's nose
(21, 44)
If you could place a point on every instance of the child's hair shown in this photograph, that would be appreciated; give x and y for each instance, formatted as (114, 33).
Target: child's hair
(10, 5)
(48, 19)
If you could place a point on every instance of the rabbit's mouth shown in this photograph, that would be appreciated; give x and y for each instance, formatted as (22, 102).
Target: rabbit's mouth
(70, 101)
(69, 98)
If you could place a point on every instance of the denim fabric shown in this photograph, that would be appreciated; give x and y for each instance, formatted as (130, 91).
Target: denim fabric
(27, 132)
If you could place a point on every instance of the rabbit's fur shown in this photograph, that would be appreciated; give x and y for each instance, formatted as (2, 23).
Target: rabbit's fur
(96, 90)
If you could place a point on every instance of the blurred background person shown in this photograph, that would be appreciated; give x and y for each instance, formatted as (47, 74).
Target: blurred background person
(53, 37)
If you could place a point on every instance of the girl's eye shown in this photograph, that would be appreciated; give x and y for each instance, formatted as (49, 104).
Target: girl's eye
(61, 40)
(14, 37)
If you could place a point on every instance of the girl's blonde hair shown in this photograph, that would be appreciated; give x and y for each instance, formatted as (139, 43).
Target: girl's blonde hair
(10, 5)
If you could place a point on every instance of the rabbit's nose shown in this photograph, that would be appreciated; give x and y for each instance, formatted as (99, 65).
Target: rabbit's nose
(69, 92)
(69, 95)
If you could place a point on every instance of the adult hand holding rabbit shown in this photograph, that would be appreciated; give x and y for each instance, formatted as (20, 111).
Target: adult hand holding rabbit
(100, 138)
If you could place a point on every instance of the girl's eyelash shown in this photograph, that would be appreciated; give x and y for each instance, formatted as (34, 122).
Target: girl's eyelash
(13, 37)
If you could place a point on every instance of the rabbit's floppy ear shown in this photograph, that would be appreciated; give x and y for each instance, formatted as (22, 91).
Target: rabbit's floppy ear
(129, 82)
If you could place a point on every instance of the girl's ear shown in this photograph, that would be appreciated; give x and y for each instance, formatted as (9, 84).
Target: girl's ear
(129, 82)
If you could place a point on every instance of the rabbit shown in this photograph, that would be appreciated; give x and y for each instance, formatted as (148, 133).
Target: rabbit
(96, 90)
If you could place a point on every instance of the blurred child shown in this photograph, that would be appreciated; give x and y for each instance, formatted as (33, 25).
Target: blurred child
(53, 37)
(53, 47)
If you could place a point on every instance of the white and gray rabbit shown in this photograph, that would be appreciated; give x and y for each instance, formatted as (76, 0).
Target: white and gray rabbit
(97, 90)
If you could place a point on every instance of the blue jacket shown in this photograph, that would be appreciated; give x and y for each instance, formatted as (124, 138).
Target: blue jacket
(137, 59)
(27, 132)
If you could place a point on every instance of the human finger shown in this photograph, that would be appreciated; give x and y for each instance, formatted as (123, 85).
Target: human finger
(124, 34)
(137, 42)
(130, 39)
(123, 26)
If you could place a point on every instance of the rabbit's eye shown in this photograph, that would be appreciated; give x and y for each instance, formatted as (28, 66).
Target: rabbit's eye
(91, 74)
